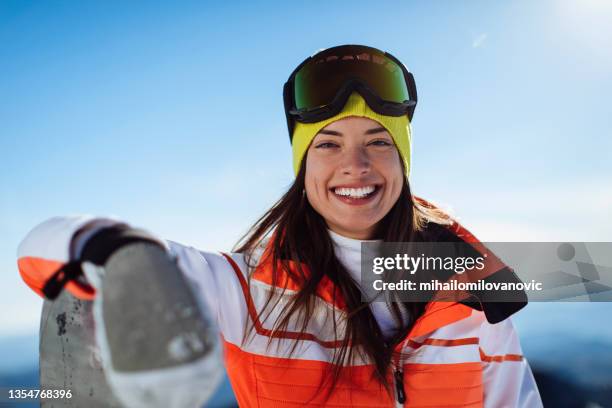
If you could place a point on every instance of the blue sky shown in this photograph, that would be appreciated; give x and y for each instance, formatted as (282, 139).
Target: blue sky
(170, 115)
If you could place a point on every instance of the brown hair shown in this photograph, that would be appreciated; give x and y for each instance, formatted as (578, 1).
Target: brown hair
(291, 226)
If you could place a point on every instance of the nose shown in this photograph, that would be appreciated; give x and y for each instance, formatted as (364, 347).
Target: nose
(355, 161)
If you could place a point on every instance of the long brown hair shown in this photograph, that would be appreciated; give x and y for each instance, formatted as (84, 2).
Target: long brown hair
(290, 227)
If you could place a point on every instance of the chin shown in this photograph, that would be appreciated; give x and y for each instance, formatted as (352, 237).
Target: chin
(356, 229)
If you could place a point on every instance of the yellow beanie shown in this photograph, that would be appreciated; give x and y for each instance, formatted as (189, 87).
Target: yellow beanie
(397, 126)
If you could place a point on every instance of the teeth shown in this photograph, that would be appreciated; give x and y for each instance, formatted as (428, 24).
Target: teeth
(354, 192)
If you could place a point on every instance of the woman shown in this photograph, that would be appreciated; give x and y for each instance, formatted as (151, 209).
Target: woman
(288, 303)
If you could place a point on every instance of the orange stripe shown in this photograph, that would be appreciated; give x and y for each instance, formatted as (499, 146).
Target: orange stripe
(499, 358)
(35, 272)
(255, 318)
(444, 342)
(451, 343)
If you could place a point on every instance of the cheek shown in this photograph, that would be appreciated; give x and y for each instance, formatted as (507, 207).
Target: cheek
(316, 176)
(394, 174)
(398, 184)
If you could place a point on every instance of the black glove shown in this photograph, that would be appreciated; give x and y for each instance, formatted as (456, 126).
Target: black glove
(97, 250)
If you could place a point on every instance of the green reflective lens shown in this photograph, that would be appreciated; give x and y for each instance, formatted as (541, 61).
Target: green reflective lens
(319, 80)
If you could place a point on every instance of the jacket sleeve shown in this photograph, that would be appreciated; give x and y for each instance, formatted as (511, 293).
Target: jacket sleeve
(507, 377)
(209, 276)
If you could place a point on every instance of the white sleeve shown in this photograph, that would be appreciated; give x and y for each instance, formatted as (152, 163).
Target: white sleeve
(52, 239)
(507, 377)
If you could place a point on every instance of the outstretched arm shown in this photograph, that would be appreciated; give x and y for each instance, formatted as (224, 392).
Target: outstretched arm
(156, 318)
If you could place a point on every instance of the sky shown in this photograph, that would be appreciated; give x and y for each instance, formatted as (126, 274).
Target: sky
(169, 115)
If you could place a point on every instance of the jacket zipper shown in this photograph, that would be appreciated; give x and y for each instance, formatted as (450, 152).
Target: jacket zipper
(399, 385)
(398, 378)
(398, 372)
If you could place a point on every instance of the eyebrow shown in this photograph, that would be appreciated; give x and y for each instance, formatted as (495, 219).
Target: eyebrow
(367, 132)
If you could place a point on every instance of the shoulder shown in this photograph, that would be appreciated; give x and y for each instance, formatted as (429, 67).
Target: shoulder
(435, 232)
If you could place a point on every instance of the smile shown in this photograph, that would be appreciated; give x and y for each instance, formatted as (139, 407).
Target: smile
(356, 195)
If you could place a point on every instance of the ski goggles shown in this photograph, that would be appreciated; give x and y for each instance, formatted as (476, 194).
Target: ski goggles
(319, 87)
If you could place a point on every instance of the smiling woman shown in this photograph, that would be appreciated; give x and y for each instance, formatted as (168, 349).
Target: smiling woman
(354, 175)
(288, 302)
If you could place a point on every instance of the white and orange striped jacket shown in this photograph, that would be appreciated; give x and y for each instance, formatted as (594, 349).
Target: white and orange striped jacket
(451, 358)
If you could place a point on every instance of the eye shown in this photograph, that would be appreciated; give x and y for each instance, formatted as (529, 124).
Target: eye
(326, 145)
(380, 142)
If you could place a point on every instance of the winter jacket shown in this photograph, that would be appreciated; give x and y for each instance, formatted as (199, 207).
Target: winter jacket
(452, 357)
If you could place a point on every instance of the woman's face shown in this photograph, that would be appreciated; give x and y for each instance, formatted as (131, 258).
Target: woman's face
(353, 175)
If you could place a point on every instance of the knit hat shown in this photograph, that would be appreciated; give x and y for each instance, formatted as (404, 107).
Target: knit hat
(397, 126)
